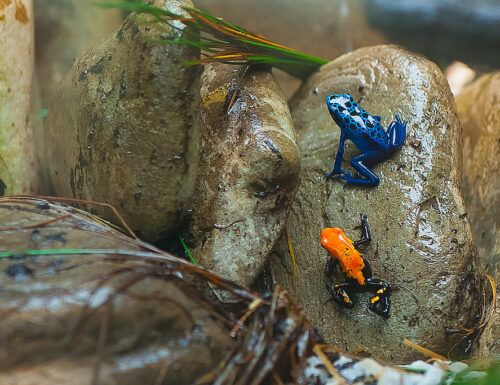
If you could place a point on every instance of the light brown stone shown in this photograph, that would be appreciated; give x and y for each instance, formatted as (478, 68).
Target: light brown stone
(248, 173)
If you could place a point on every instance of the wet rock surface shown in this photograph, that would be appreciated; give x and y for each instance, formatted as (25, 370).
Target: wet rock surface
(248, 171)
(81, 317)
(422, 242)
(18, 168)
(479, 112)
(124, 127)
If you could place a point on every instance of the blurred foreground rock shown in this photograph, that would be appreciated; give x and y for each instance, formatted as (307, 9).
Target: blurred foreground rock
(422, 242)
(124, 127)
(248, 173)
(77, 315)
(479, 112)
(18, 168)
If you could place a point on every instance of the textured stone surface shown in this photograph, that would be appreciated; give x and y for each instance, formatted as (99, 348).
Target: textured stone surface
(124, 128)
(17, 159)
(479, 112)
(64, 314)
(422, 239)
(248, 173)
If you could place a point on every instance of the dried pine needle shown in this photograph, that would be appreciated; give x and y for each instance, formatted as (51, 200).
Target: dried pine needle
(292, 255)
(423, 350)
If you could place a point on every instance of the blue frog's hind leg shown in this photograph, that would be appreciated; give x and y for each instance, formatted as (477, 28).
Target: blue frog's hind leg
(396, 133)
(358, 163)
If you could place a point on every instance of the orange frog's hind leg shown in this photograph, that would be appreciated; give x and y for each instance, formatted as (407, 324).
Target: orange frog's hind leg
(339, 294)
(381, 302)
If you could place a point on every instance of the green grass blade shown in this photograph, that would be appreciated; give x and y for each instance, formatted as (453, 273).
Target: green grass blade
(187, 250)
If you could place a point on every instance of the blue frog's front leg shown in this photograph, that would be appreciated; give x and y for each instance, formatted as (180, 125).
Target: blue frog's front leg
(338, 159)
(397, 133)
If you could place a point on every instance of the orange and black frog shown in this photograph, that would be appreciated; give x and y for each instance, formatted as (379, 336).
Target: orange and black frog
(356, 268)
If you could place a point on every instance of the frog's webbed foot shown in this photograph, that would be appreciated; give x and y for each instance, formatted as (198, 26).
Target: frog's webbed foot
(338, 293)
(396, 133)
(339, 172)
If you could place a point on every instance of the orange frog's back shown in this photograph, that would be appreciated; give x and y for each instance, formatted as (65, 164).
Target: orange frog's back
(342, 248)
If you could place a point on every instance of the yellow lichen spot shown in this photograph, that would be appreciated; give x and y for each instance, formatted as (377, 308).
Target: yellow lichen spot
(4, 3)
(375, 299)
(21, 14)
(218, 95)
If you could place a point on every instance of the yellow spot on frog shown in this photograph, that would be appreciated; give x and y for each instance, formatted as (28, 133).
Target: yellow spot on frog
(218, 95)
(380, 291)
(346, 299)
(375, 299)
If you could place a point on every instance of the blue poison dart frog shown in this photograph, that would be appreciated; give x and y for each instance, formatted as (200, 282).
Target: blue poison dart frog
(366, 132)
(356, 268)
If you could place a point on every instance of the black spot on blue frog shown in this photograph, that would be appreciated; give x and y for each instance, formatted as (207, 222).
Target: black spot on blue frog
(365, 131)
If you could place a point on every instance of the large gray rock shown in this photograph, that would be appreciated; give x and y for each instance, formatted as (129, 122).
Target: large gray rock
(479, 112)
(248, 173)
(18, 168)
(124, 126)
(422, 239)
